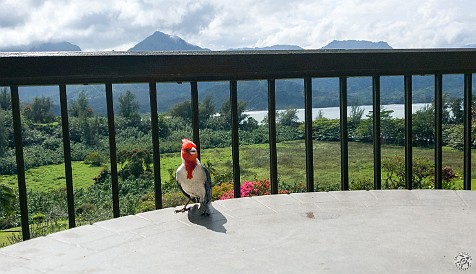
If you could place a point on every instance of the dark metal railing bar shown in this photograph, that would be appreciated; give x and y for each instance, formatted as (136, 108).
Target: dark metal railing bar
(154, 120)
(17, 132)
(68, 170)
(112, 151)
(273, 158)
(195, 115)
(235, 147)
(134, 67)
(468, 86)
(308, 134)
(344, 135)
(376, 132)
(438, 130)
(408, 132)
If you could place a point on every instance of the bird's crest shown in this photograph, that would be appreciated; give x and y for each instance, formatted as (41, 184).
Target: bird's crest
(186, 143)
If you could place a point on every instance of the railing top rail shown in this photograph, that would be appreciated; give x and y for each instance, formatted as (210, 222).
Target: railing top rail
(44, 68)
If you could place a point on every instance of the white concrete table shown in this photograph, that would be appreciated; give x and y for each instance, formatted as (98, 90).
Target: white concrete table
(422, 231)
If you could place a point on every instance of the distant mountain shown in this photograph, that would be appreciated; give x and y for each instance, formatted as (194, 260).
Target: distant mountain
(356, 44)
(470, 46)
(160, 41)
(275, 47)
(48, 46)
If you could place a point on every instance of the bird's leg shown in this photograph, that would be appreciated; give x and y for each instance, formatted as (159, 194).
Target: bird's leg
(184, 207)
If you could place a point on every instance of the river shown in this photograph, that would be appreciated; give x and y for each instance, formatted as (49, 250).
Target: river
(334, 112)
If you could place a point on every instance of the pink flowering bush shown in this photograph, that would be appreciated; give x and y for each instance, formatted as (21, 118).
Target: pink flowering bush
(252, 188)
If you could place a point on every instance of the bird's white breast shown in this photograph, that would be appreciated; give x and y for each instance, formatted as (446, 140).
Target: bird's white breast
(195, 187)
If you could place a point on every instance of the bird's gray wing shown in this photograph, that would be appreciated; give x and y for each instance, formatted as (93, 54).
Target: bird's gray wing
(208, 187)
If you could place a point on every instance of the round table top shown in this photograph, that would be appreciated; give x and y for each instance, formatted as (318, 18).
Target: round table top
(380, 231)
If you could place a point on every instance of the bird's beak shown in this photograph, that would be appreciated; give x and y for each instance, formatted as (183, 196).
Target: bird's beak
(193, 151)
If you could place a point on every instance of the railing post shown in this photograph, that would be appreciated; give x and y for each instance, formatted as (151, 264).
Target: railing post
(235, 149)
(376, 132)
(408, 132)
(154, 120)
(68, 171)
(438, 130)
(468, 86)
(112, 151)
(344, 140)
(308, 134)
(17, 132)
(195, 115)
(273, 158)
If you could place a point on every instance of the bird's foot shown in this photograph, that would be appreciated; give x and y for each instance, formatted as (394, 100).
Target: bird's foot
(204, 210)
(184, 209)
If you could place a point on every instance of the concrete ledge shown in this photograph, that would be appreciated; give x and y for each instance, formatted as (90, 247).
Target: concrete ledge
(418, 231)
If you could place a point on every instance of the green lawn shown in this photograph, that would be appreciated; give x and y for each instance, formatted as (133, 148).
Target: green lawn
(52, 177)
(4, 234)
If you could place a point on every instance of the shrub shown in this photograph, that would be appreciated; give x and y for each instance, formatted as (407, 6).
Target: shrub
(7, 206)
(95, 158)
(335, 186)
(395, 168)
(172, 199)
(292, 187)
(219, 190)
(361, 184)
(254, 188)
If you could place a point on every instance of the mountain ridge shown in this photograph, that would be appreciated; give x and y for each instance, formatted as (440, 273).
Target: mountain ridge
(160, 41)
(356, 44)
(45, 46)
(274, 47)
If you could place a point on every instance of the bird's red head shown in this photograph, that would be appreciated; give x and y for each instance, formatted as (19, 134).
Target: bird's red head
(189, 151)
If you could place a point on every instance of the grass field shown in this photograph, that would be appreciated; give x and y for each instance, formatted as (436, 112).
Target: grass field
(52, 177)
(254, 164)
(254, 160)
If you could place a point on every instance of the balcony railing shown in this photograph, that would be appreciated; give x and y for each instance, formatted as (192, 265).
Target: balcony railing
(62, 69)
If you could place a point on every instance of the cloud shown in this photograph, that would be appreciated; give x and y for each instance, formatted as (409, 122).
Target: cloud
(223, 24)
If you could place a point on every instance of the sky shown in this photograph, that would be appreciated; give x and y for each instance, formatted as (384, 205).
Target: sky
(223, 24)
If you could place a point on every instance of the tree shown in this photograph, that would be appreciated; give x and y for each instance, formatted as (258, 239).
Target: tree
(129, 107)
(3, 132)
(80, 107)
(206, 109)
(288, 117)
(40, 110)
(391, 129)
(456, 107)
(5, 100)
(182, 110)
(424, 125)
(89, 130)
(225, 112)
(133, 163)
(356, 114)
